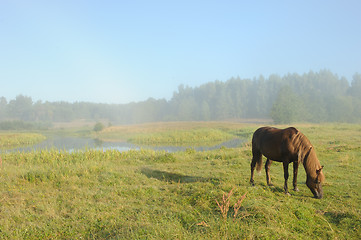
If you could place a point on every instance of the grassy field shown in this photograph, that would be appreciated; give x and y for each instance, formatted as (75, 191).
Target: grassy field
(11, 140)
(158, 195)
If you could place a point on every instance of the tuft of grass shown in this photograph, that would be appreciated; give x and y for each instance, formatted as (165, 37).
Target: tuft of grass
(225, 204)
(238, 205)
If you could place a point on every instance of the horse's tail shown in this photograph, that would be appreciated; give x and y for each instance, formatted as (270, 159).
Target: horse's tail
(258, 163)
(257, 156)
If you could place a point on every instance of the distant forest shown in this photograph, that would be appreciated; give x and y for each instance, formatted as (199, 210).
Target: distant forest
(311, 97)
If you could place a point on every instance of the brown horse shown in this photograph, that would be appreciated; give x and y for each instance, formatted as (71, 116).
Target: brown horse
(287, 146)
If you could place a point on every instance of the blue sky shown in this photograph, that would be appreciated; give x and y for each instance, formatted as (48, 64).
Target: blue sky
(124, 51)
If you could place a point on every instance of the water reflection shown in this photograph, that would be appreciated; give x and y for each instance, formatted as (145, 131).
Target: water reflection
(76, 143)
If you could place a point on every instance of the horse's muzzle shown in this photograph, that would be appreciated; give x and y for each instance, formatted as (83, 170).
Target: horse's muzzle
(318, 194)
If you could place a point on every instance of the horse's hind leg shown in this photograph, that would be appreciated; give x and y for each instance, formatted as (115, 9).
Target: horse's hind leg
(253, 165)
(256, 159)
(267, 167)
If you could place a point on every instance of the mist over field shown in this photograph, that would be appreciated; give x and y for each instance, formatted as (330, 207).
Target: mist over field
(310, 97)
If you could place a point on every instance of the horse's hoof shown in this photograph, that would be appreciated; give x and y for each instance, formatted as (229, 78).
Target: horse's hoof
(270, 185)
(288, 194)
(252, 184)
(296, 190)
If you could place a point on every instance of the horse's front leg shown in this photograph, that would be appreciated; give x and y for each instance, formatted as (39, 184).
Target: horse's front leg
(285, 170)
(295, 171)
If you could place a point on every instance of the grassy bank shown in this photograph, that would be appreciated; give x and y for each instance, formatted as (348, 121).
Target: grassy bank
(201, 136)
(158, 195)
(176, 133)
(11, 140)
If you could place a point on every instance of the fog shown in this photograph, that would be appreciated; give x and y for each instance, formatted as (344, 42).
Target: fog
(310, 97)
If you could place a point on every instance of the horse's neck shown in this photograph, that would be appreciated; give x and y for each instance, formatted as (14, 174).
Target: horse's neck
(311, 163)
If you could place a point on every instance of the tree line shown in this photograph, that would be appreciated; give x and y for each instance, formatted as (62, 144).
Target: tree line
(312, 97)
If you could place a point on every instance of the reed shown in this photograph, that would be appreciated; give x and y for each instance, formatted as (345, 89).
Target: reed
(11, 140)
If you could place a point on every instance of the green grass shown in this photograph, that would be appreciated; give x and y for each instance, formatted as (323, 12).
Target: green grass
(158, 195)
(11, 140)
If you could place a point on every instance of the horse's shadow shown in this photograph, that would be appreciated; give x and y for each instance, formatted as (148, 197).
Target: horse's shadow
(276, 189)
(272, 188)
(175, 177)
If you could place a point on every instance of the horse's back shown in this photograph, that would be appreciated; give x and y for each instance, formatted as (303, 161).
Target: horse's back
(267, 132)
(273, 142)
(263, 136)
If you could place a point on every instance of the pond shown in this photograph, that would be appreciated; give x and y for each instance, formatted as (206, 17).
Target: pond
(78, 143)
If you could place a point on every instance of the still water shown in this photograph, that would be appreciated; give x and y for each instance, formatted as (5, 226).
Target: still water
(76, 143)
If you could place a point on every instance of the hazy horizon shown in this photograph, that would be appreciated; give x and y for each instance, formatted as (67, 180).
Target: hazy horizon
(171, 91)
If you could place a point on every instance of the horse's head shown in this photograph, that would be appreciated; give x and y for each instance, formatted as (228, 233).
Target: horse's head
(315, 183)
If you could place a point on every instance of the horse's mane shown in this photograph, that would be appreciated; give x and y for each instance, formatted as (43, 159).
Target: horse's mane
(301, 144)
(306, 154)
